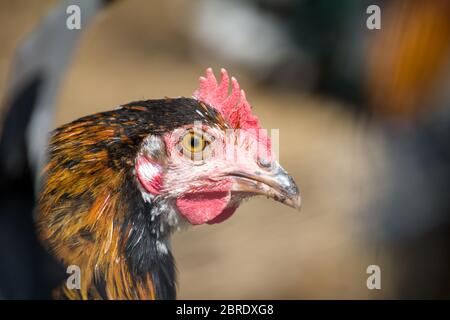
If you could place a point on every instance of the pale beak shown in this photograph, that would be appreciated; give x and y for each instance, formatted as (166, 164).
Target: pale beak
(274, 183)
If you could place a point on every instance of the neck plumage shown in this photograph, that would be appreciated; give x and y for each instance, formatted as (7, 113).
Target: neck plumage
(119, 242)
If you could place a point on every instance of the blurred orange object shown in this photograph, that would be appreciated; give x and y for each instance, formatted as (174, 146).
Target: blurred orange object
(406, 57)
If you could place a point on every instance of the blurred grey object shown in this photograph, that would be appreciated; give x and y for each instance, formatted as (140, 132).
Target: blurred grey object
(238, 33)
(38, 69)
(26, 270)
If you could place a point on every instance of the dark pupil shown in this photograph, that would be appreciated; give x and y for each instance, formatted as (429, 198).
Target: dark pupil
(194, 142)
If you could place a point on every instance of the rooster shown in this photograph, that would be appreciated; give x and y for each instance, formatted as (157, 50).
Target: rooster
(118, 183)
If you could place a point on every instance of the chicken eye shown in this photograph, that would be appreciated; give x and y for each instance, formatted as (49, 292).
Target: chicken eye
(193, 143)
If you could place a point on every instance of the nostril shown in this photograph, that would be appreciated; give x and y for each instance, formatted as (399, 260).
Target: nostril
(264, 163)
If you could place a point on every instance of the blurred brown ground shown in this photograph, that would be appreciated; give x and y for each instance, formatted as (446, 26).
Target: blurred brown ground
(135, 50)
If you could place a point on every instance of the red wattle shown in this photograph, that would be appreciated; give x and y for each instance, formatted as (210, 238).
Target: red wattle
(206, 206)
(224, 215)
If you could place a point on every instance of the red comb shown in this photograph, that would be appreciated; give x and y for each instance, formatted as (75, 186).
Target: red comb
(234, 107)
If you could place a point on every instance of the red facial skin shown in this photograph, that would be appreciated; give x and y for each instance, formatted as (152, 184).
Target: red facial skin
(202, 189)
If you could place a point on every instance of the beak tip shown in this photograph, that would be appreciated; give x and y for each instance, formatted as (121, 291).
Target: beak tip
(297, 203)
(294, 201)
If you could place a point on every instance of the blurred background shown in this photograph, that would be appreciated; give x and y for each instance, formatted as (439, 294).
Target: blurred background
(364, 130)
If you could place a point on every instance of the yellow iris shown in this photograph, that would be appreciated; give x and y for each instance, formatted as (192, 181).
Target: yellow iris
(193, 142)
